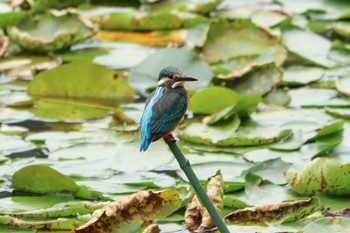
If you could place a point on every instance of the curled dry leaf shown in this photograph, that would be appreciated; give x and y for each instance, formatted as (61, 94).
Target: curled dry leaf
(4, 44)
(280, 212)
(343, 212)
(153, 228)
(197, 216)
(133, 213)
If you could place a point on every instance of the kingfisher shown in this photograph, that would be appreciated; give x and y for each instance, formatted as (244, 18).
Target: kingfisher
(165, 107)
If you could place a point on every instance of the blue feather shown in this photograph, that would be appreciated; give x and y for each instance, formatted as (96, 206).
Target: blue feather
(146, 134)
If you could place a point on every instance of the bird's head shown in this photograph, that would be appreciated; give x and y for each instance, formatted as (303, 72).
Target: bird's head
(175, 75)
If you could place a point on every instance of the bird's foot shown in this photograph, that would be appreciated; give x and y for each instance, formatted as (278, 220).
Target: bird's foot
(169, 138)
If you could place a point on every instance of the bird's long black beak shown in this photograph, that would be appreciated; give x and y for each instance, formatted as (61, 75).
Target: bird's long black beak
(185, 79)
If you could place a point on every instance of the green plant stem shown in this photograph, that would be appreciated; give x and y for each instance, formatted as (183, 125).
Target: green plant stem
(192, 177)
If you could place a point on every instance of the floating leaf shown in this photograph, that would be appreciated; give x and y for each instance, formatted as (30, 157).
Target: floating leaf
(131, 19)
(196, 216)
(320, 175)
(226, 135)
(249, 46)
(278, 97)
(339, 112)
(212, 100)
(32, 33)
(258, 82)
(202, 7)
(329, 224)
(301, 75)
(134, 213)
(343, 85)
(340, 52)
(80, 80)
(272, 170)
(42, 179)
(305, 97)
(145, 75)
(281, 212)
(309, 46)
(341, 28)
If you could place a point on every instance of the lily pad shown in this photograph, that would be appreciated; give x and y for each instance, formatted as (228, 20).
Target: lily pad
(329, 224)
(249, 46)
(320, 175)
(258, 82)
(278, 97)
(42, 179)
(145, 75)
(340, 52)
(301, 75)
(132, 19)
(65, 28)
(213, 100)
(80, 80)
(309, 46)
(226, 135)
(339, 112)
(343, 85)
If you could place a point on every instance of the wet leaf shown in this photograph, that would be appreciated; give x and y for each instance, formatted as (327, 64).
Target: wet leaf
(278, 97)
(131, 19)
(202, 101)
(278, 213)
(134, 213)
(42, 179)
(32, 34)
(301, 75)
(249, 46)
(145, 75)
(309, 47)
(196, 216)
(79, 80)
(320, 175)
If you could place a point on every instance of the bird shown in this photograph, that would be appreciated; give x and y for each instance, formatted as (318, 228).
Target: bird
(165, 107)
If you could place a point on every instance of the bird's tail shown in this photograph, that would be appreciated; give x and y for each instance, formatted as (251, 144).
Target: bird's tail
(145, 143)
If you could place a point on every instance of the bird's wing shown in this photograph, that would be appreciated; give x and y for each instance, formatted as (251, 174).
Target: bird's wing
(167, 112)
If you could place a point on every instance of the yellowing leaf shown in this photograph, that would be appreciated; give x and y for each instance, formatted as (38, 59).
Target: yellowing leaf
(281, 212)
(133, 213)
(197, 216)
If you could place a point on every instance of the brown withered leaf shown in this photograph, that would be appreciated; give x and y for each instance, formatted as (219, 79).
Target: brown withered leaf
(132, 214)
(275, 213)
(332, 213)
(153, 228)
(4, 44)
(197, 216)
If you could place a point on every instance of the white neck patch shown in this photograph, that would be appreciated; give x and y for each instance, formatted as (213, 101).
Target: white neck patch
(163, 80)
(178, 84)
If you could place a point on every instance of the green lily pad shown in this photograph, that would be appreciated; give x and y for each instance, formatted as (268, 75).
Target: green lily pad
(66, 110)
(259, 81)
(305, 97)
(272, 170)
(301, 75)
(278, 97)
(212, 100)
(249, 46)
(245, 106)
(42, 179)
(194, 6)
(343, 85)
(340, 52)
(320, 175)
(131, 19)
(226, 135)
(80, 80)
(329, 224)
(65, 28)
(309, 47)
(145, 75)
(341, 28)
(339, 112)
